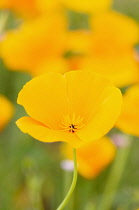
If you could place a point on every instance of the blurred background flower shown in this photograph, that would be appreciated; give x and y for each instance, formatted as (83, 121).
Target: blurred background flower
(89, 166)
(35, 43)
(87, 6)
(129, 119)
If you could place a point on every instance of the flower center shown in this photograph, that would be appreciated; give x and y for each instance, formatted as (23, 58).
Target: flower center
(72, 128)
(72, 124)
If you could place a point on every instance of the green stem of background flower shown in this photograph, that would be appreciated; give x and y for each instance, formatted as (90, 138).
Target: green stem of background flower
(114, 178)
(66, 199)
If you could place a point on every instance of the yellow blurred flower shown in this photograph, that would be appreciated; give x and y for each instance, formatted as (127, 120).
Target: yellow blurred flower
(108, 48)
(30, 8)
(112, 48)
(77, 107)
(22, 7)
(79, 41)
(128, 121)
(46, 6)
(93, 157)
(122, 69)
(120, 30)
(52, 65)
(87, 6)
(6, 111)
(36, 41)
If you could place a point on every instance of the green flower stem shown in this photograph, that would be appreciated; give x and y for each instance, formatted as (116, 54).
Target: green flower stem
(114, 178)
(66, 183)
(66, 199)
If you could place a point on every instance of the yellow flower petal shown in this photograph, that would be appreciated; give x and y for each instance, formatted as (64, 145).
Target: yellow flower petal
(45, 99)
(128, 121)
(117, 28)
(58, 65)
(84, 88)
(23, 7)
(111, 51)
(47, 6)
(87, 5)
(121, 69)
(108, 48)
(30, 8)
(106, 112)
(34, 42)
(102, 153)
(42, 133)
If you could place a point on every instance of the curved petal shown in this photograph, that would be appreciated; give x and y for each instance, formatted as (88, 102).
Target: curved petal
(106, 112)
(34, 41)
(58, 65)
(128, 121)
(87, 5)
(45, 99)
(102, 153)
(110, 25)
(121, 69)
(42, 133)
(84, 88)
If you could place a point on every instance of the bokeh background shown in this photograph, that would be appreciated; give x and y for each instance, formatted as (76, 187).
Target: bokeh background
(31, 176)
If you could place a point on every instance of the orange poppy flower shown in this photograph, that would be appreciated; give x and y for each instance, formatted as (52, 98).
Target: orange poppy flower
(111, 50)
(6, 111)
(93, 157)
(34, 43)
(122, 69)
(29, 8)
(77, 107)
(48, 6)
(107, 48)
(117, 29)
(128, 121)
(87, 6)
(22, 7)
